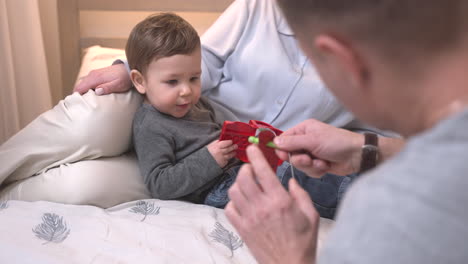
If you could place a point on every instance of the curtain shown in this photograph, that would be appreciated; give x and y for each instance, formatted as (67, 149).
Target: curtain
(24, 82)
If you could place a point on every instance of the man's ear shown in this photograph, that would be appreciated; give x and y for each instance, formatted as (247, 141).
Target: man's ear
(138, 81)
(344, 56)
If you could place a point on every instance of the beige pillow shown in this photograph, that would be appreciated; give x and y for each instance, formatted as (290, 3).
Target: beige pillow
(52, 148)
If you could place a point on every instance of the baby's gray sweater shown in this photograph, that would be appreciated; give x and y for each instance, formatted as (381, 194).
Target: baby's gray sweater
(172, 153)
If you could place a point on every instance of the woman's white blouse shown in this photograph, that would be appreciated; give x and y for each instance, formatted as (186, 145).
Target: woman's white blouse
(253, 68)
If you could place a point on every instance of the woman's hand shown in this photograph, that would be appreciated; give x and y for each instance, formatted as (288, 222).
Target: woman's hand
(277, 226)
(222, 151)
(112, 79)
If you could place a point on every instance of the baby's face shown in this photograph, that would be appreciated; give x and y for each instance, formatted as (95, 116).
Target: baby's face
(173, 83)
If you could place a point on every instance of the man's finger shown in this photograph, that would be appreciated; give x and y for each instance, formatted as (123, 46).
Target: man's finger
(248, 185)
(321, 165)
(263, 172)
(312, 167)
(233, 216)
(303, 200)
(301, 160)
(283, 155)
(295, 143)
(236, 193)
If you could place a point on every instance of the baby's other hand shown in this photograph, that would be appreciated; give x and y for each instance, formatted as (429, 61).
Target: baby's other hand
(222, 151)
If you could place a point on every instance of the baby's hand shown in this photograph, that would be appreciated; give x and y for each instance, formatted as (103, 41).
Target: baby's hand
(222, 151)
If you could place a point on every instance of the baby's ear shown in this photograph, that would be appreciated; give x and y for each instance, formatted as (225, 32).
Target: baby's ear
(138, 81)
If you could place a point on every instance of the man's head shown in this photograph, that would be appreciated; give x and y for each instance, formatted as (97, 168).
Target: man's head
(164, 54)
(371, 53)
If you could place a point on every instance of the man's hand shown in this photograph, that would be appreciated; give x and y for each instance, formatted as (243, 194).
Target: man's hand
(317, 148)
(222, 151)
(277, 226)
(112, 79)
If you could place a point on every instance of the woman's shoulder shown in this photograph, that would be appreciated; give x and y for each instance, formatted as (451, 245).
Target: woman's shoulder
(259, 2)
(256, 7)
(269, 11)
(263, 5)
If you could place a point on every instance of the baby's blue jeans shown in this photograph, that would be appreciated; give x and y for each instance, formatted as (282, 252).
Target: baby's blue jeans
(326, 192)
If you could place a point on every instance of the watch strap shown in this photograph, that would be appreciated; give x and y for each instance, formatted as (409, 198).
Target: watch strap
(370, 152)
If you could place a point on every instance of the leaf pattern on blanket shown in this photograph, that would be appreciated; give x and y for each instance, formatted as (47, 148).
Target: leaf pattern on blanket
(221, 235)
(52, 229)
(3, 205)
(145, 208)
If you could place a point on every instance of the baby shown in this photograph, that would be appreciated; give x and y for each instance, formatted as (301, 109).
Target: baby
(174, 131)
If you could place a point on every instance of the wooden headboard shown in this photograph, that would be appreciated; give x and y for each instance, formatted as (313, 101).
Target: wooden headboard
(84, 23)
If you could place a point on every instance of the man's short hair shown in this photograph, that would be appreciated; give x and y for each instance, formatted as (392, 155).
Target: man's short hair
(158, 36)
(395, 27)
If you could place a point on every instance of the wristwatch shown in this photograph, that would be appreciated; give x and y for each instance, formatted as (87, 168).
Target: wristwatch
(370, 152)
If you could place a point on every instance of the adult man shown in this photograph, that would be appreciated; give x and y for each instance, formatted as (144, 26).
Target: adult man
(408, 210)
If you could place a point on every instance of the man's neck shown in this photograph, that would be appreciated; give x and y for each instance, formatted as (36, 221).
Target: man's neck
(442, 94)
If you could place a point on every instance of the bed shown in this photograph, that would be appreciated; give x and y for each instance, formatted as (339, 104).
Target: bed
(92, 35)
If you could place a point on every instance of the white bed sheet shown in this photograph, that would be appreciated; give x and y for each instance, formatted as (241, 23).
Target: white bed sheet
(146, 231)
